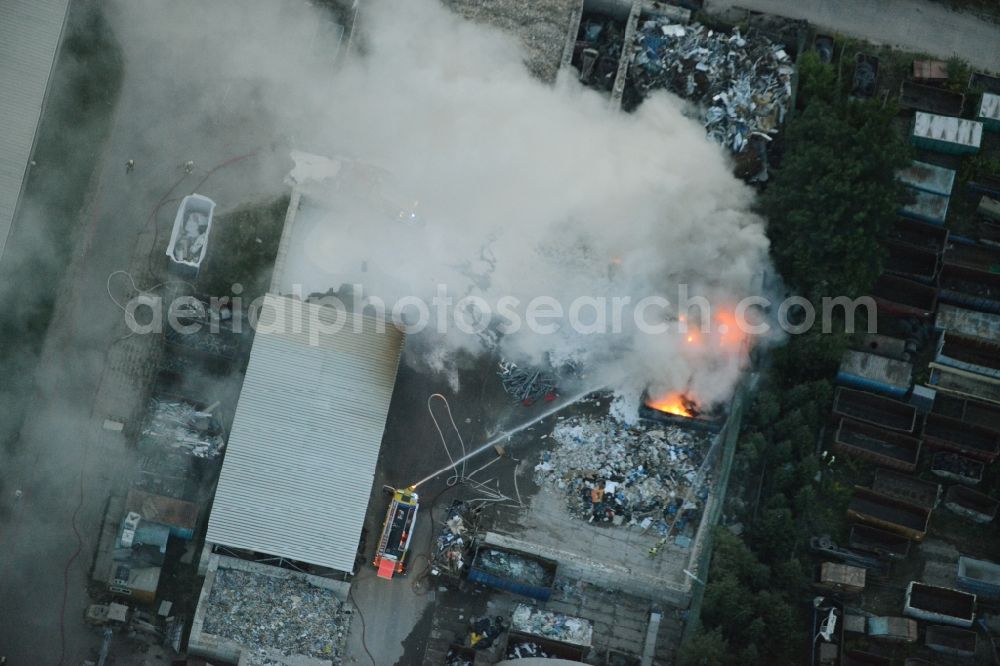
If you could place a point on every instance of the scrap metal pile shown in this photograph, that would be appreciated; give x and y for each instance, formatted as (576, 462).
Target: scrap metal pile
(741, 84)
(552, 625)
(597, 50)
(624, 474)
(452, 543)
(526, 385)
(513, 567)
(284, 614)
(181, 425)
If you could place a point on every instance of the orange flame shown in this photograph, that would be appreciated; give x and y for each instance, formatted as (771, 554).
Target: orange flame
(671, 403)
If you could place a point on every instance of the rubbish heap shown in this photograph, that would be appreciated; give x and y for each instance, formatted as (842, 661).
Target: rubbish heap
(452, 542)
(513, 567)
(285, 614)
(552, 625)
(741, 84)
(526, 649)
(180, 425)
(623, 474)
(597, 50)
(524, 385)
(454, 658)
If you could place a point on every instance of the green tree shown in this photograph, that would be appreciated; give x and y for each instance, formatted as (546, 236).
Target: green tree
(834, 197)
(706, 648)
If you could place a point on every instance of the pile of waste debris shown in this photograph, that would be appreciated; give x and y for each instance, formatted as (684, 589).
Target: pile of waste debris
(526, 385)
(741, 84)
(182, 426)
(552, 625)
(454, 658)
(527, 649)
(452, 543)
(624, 474)
(513, 567)
(285, 614)
(597, 50)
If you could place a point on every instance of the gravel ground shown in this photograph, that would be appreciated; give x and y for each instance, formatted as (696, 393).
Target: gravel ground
(541, 25)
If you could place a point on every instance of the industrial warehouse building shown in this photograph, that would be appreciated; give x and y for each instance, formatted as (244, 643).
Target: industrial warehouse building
(306, 435)
(30, 33)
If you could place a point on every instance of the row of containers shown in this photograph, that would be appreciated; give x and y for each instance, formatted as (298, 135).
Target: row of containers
(944, 430)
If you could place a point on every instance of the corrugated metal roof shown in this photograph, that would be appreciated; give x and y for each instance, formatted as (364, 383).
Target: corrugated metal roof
(928, 177)
(306, 436)
(30, 31)
(948, 129)
(989, 108)
(876, 368)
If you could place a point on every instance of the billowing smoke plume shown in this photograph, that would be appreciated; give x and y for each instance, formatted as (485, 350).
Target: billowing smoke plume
(507, 187)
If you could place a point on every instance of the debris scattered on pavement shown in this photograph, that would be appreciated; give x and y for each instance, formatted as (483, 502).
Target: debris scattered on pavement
(625, 475)
(485, 630)
(284, 614)
(549, 624)
(525, 385)
(742, 85)
(513, 567)
(181, 425)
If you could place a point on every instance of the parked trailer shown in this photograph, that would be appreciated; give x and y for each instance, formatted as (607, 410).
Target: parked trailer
(979, 414)
(490, 566)
(951, 640)
(975, 355)
(979, 577)
(840, 578)
(892, 628)
(882, 543)
(970, 503)
(907, 488)
(963, 384)
(957, 467)
(912, 262)
(970, 288)
(904, 298)
(882, 447)
(859, 658)
(888, 513)
(919, 97)
(874, 409)
(826, 547)
(942, 432)
(984, 326)
(976, 257)
(907, 231)
(939, 604)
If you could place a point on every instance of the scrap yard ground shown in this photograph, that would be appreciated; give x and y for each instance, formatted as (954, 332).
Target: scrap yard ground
(66, 457)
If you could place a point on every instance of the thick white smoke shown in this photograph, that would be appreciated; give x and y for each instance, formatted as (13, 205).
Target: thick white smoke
(524, 189)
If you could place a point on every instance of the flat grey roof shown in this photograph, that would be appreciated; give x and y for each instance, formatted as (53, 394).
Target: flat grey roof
(306, 435)
(30, 31)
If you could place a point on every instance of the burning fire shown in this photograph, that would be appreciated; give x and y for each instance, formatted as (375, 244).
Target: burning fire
(673, 403)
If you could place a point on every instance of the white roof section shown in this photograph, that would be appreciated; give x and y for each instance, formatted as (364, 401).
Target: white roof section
(948, 128)
(306, 436)
(989, 108)
(30, 32)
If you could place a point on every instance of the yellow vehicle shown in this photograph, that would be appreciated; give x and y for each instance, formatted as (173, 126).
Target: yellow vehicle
(397, 531)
